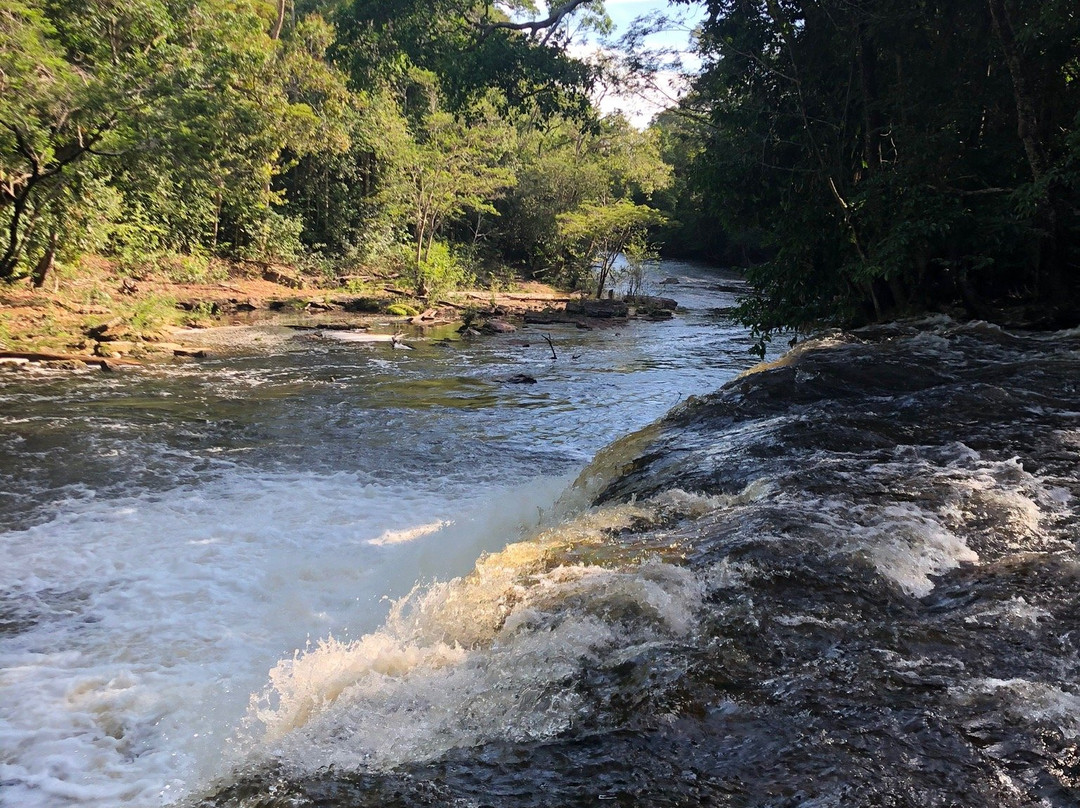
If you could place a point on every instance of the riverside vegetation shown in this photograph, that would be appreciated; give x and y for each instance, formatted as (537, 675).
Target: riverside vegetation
(859, 160)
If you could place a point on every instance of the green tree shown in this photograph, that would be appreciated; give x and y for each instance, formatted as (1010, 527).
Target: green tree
(599, 234)
(892, 156)
(68, 80)
(449, 168)
(472, 47)
(566, 170)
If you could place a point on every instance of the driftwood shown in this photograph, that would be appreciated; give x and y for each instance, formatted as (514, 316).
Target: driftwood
(88, 359)
(450, 305)
(520, 298)
(551, 344)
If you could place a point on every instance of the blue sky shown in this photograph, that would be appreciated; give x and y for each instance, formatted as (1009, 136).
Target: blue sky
(623, 12)
(641, 106)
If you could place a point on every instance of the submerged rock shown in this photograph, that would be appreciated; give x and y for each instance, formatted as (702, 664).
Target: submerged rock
(521, 378)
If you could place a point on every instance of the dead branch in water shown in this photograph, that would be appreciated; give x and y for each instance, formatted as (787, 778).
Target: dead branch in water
(547, 339)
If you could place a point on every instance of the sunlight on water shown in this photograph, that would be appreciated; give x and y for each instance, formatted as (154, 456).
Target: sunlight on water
(183, 540)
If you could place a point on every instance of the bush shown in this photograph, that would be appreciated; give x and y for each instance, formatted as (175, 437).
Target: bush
(441, 271)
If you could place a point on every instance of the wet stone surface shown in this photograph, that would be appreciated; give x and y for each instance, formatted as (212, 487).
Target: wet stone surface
(849, 580)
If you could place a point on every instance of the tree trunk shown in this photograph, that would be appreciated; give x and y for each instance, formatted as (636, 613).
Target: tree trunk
(866, 55)
(1027, 123)
(280, 22)
(10, 259)
(47, 261)
(1050, 267)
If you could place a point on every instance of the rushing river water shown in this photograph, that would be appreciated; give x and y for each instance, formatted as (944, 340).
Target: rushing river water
(173, 536)
(846, 579)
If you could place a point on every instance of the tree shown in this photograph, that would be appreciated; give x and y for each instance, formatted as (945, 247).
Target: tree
(57, 113)
(472, 47)
(892, 156)
(448, 167)
(602, 233)
(568, 171)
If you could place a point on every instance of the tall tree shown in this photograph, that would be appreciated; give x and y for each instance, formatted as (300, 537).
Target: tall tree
(893, 155)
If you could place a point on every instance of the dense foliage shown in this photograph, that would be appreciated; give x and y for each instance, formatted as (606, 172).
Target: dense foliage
(860, 157)
(415, 134)
(868, 157)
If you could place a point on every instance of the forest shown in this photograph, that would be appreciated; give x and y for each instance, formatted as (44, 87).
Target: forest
(858, 159)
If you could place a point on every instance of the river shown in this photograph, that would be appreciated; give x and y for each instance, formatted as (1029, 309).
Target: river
(333, 574)
(174, 536)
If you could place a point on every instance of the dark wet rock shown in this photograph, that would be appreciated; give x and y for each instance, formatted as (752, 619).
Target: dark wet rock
(552, 317)
(357, 303)
(880, 537)
(498, 327)
(521, 378)
(605, 309)
(63, 364)
(651, 303)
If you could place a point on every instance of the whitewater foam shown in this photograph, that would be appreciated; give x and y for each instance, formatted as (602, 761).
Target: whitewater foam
(144, 623)
(481, 657)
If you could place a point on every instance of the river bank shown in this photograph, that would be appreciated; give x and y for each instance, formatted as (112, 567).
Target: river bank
(106, 319)
(105, 314)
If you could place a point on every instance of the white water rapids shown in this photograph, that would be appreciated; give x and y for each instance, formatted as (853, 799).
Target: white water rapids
(172, 536)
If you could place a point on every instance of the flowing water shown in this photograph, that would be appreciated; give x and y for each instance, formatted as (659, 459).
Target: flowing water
(199, 557)
(848, 578)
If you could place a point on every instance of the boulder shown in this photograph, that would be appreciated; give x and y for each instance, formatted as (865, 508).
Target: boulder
(652, 303)
(498, 327)
(63, 364)
(111, 330)
(275, 275)
(604, 309)
(551, 317)
(521, 378)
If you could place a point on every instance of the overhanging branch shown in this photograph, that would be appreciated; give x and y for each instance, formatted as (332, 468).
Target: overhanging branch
(549, 23)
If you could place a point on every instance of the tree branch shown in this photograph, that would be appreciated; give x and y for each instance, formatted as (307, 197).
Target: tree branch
(549, 23)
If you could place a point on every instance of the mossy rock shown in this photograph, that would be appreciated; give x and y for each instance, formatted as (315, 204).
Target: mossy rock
(401, 310)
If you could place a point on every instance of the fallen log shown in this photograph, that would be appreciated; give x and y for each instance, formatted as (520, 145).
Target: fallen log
(450, 305)
(520, 298)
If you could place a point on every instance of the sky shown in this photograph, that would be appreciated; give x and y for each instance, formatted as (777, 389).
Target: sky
(640, 106)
